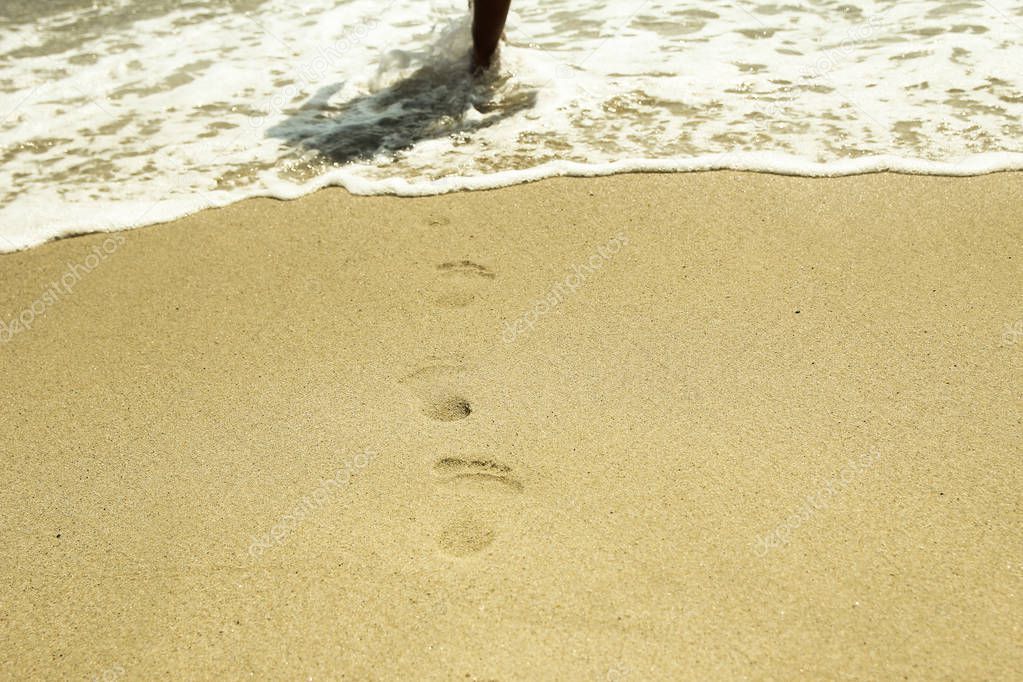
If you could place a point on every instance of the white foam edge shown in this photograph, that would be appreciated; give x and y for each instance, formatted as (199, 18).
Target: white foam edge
(129, 215)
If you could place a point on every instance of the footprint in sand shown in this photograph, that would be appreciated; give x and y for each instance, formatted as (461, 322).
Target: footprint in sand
(479, 484)
(479, 472)
(461, 282)
(464, 537)
(468, 533)
(435, 389)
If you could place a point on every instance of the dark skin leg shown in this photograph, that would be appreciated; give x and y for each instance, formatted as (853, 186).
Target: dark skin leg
(487, 26)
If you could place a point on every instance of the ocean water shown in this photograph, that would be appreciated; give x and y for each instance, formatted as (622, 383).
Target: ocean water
(120, 113)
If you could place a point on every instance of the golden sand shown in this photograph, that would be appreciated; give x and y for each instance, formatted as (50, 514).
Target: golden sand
(697, 426)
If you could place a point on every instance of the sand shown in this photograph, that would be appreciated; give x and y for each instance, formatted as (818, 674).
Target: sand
(650, 427)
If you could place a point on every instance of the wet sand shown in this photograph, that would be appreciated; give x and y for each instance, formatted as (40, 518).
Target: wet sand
(697, 426)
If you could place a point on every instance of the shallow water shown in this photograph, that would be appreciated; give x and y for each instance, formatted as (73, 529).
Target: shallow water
(132, 112)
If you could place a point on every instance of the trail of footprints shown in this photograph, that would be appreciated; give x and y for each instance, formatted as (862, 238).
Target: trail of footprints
(439, 395)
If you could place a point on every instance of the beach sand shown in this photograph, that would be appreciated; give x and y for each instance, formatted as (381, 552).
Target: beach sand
(759, 427)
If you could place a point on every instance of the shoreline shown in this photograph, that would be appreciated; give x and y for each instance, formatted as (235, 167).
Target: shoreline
(133, 215)
(828, 365)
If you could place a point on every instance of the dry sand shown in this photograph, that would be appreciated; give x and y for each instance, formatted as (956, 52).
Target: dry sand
(775, 435)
